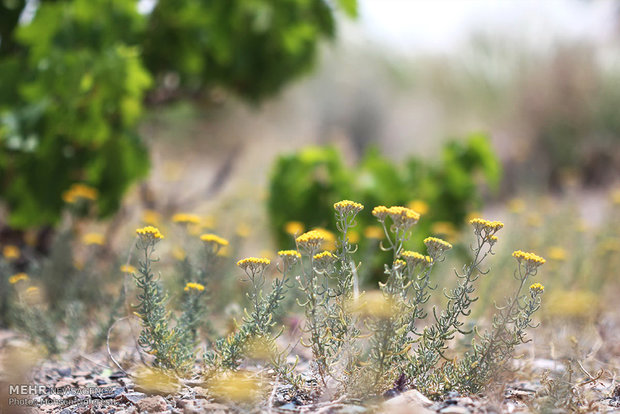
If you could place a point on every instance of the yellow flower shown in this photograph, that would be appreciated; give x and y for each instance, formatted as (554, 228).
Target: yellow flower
(253, 264)
(330, 238)
(193, 286)
(380, 212)
(530, 260)
(17, 277)
(557, 253)
(311, 240)
(289, 253)
(90, 239)
(615, 196)
(486, 228)
(78, 192)
(346, 207)
(436, 246)
(186, 218)
(324, 259)
(213, 239)
(151, 217)
(414, 258)
(537, 288)
(398, 263)
(374, 232)
(419, 206)
(128, 269)
(149, 233)
(11, 252)
(294, 228)
(403, 217)
(289, 257)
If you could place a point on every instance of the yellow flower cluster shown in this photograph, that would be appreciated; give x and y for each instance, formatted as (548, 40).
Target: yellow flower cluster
(311, 240)
(346, 207)
(289, 257)
(530, 260)
(324, 259)
(186, 218)
(128, 269)
(436, 246)
(11, 252)
(17, 277)
(486, 228)
(399, 263)
(78, 192)
(253, 264)
(90, 239)
(537, 288)
(289, 254)
(414, 258)
(193, 286)
(324, 255)
(402, 217)
(149, 233)
(214, 239)
(294, 228)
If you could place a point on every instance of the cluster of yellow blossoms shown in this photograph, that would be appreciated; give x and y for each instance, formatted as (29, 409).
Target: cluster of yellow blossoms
(436, 246)
(537, 288)
(90, 239)
(17, 277)
(346, 207)
(128, 269)
(79, 192)
(414, 258)
(214, 239)
(11, 252)
(324, 259)
(185, 218)
(149, 233)
(402, 217)
(193, 286)
(254, 264)
(530, 260)
(311, 240)
(486, 229)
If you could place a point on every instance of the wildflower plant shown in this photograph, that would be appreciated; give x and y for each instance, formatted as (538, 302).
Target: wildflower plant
(359, 341)
(169, 346)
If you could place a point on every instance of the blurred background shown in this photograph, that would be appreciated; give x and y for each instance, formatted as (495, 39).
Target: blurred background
(254, 117)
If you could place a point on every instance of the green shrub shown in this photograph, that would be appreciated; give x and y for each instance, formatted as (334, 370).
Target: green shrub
(304, 185)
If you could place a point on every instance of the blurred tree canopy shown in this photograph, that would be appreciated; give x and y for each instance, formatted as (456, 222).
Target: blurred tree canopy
(76, 74)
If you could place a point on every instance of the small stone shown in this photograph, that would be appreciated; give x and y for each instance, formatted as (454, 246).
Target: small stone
(64, 372)
(100, 381)
(454, 409)
(116, 375)
(132, 397)
(410, 401)
(85, 374)
(155, 404)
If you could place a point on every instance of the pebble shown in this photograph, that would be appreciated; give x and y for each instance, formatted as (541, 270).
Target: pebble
(132, 397)
(454, 409)
(155, 404)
